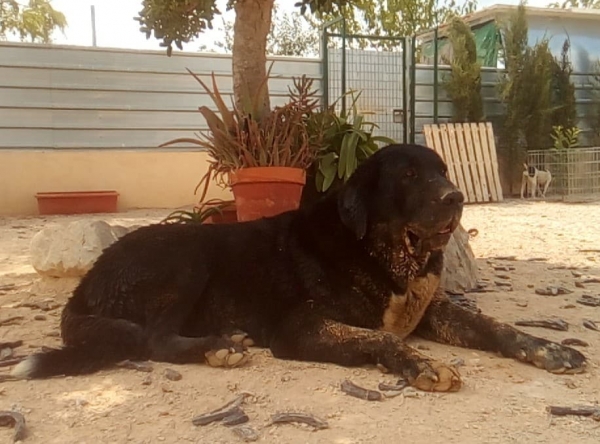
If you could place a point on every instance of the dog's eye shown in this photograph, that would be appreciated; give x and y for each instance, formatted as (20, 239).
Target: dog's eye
(411, 172)
(445, 172)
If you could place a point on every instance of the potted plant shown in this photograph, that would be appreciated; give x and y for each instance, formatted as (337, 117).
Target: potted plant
(262, 155)
(347, 140)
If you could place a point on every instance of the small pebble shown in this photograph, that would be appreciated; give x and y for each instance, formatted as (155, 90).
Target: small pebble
(503, 284)
(6, 353)
(392, 394)
(172, 375)
(574, 341)
(457, 362)
(410, 392)
(39, 317)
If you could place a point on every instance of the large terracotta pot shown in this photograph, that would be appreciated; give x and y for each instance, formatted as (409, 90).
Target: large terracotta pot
(266, 191)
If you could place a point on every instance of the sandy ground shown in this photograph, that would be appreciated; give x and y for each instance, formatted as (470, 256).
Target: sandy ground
(502, 401)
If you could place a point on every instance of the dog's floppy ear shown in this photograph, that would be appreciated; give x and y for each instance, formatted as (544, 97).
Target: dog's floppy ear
(353, 199)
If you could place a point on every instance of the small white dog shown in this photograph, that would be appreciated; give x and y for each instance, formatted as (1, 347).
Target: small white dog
(534, 178)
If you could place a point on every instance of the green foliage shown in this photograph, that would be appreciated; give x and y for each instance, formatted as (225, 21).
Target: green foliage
(200, 213)
(526, 92)
(593, 117)
(177, 21)
(399, 18)
(347, 140)
(34, 22)
(591, 4)
(563, 90)
(463, 85)
(565, 138)
(510, 85)
(535, 104)
(525, 89)
(174, 22)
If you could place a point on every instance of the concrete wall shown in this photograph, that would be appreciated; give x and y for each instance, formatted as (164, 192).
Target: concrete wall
(74, 118)
(144, 178)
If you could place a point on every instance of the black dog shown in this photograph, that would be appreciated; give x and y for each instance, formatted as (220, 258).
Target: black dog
(344, 281)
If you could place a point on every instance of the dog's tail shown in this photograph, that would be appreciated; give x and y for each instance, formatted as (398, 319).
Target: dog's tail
(92, 343)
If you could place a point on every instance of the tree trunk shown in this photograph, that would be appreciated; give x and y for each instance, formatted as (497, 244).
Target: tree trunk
(250, 30)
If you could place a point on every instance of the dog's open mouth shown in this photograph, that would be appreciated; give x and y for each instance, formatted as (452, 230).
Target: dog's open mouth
(417, 244)
(447, 229)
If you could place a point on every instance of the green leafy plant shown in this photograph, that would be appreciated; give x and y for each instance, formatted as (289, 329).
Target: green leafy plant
(251, 137)
(563, 89)
(463, 85)
(565, 138)
(347, 140)
(200, 213)
(35, 20)
(593, 117)
(526, 91)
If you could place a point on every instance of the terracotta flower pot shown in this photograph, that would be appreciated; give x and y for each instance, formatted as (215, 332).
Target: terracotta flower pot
(77, 202)
(266, 191)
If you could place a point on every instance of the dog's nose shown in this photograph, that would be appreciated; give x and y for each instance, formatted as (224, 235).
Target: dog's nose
(452, 197)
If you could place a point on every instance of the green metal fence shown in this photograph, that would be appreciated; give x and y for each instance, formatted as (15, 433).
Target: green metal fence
(376, 67)
(403, 95)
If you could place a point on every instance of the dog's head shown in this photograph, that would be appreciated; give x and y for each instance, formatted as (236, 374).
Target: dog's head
(530, 170)
(401, 197)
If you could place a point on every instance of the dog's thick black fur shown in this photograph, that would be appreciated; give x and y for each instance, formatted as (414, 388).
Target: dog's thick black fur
(343, 281)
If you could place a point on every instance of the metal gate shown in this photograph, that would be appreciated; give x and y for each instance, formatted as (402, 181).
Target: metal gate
(378, 68)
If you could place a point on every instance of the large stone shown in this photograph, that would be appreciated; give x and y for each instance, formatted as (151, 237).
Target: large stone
(70, 250)
(460, 268)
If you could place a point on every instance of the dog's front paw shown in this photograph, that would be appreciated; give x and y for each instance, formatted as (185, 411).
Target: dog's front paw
(552, 357)
(435, 376)
(227, 352)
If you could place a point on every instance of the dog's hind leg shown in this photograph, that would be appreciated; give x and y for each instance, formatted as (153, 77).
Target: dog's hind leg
(547, 184)
(307, 337)
(448, 323)
(165, 341)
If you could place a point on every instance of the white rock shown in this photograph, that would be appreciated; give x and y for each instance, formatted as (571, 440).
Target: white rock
(69, 250)
(460, 269)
